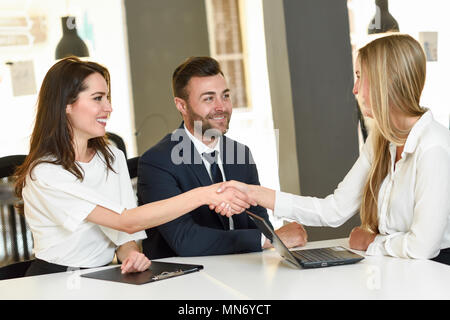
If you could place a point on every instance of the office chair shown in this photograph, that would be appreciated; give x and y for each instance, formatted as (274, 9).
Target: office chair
(132, 164)
(16, 240)
(9, 163)
(15, 270)
(118, 142)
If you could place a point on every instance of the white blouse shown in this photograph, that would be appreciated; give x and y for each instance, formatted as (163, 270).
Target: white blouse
(413, 201)
(56, 205)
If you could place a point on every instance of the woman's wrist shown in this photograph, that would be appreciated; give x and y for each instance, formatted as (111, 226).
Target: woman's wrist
(124, 250)
(254, 193)
(264, 197)
(203, 196)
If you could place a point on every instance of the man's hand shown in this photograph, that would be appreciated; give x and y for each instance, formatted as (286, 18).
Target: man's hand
(256, 194)
(227, 202)
(360, 239)
(292, 235)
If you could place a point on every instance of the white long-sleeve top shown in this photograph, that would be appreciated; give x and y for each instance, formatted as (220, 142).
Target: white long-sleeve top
(413, 201)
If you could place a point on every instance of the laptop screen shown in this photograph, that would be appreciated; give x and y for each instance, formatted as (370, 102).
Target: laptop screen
(276, 241)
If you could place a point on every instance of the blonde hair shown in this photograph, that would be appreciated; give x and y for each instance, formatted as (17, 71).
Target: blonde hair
(395, 68)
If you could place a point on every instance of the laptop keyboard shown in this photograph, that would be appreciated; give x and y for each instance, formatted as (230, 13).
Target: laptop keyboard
(316, 255)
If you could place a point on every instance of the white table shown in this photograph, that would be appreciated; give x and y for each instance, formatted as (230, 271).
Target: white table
(254, 276)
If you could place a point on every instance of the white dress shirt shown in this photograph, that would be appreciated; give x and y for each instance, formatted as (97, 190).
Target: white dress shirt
(203, 148)
(56, 205)
(413, 201)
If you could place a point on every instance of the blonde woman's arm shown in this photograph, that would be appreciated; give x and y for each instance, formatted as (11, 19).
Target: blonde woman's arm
(331, 211)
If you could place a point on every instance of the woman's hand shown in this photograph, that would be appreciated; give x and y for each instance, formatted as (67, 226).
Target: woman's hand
(256, 194)
(241, 187)
(135, 262)
(227, 202)
(360, 239)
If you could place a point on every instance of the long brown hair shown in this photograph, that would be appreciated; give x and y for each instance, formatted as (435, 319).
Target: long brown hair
(395, 68)
(52, 137)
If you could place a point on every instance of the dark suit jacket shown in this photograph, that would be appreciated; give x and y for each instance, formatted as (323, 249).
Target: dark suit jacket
(174, 166)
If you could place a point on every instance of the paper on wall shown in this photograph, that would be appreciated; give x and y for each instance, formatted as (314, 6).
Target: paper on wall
(22, 78)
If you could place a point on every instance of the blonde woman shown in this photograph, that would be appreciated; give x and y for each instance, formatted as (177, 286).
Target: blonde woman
(400, 183)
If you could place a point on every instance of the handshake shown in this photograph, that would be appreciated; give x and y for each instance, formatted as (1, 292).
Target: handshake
(234, 197)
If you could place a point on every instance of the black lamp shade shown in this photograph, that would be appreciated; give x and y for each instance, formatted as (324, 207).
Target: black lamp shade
(70, 44)
(383, 21)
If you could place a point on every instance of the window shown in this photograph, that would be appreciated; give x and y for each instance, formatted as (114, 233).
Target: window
(227, 47)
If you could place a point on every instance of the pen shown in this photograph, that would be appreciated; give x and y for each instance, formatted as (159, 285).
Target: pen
(166, 274)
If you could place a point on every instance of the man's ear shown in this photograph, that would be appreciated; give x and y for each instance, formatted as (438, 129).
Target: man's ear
(181, 105)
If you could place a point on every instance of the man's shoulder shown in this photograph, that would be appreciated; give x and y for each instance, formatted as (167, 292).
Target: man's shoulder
(228, 140)
(236, 152)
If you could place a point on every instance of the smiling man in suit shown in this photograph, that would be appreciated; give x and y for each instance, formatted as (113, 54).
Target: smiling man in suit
(198, 154)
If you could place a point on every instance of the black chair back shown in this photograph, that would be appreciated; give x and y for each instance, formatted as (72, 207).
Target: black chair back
(9, 163)
(133, 166)
(15, 237)
(15, 270)
(118, 141)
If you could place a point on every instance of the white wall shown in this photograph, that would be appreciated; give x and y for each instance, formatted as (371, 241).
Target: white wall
(414, 16)
(108, 47)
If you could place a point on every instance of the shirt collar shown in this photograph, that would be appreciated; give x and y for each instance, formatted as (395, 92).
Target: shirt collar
(416, 132)
(199, 145)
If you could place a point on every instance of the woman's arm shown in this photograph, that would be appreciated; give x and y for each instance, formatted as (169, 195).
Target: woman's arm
(431, 211)
(331, 211)
(360, 239)
(156, 213)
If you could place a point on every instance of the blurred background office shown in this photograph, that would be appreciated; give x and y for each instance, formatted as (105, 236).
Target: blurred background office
(289, 65)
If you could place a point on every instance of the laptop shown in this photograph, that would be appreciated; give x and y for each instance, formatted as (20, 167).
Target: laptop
(308, 258)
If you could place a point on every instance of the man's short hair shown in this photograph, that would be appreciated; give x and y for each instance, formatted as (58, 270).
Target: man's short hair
(193, 67)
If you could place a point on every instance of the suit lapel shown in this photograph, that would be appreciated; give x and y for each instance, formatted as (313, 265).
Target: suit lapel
(197, 166)
(189, 155)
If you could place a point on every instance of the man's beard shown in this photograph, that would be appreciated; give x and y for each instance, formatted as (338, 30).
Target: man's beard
(203, 125)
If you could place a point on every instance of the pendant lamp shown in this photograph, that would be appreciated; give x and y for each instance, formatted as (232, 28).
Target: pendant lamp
(70, 44)
(383, 21)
